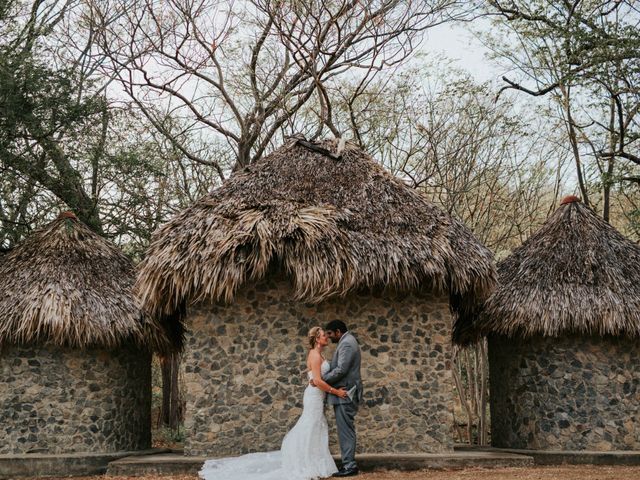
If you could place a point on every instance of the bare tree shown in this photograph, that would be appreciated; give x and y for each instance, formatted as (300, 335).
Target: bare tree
(471, 380)
(241, 70)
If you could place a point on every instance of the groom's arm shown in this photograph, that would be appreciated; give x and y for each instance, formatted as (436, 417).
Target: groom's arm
(345, 359)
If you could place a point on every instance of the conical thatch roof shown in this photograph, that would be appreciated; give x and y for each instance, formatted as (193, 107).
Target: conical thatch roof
(329, 217)
(576, 274)
(67, 286)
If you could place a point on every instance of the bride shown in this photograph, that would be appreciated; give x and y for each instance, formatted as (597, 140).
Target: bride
(304, 454)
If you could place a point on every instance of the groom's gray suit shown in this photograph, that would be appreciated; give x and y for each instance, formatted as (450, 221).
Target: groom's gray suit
(345, 372)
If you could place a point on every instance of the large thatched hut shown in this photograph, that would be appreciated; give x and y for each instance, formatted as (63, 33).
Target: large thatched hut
(311, 233)
(74, 346)
(563, 329)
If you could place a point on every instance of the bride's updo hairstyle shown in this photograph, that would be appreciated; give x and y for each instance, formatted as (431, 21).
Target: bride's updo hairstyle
(312, 336)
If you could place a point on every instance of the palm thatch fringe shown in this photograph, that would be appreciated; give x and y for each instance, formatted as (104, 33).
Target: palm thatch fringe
(67, 286)
(576, 274)
(330, 217)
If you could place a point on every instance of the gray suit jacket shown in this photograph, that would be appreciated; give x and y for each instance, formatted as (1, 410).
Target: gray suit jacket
(345, 370)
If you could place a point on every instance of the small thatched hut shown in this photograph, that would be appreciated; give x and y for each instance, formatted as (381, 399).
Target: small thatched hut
(74, 347)
(563, 329)
(311, 233)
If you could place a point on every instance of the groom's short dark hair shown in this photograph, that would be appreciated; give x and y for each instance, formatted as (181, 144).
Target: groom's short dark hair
(335, 325)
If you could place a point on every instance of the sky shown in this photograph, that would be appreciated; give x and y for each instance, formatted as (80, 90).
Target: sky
(457, 43)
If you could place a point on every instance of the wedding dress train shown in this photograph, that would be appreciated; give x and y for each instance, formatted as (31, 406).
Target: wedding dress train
(304, 454)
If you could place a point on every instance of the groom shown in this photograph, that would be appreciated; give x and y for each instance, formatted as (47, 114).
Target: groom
(345, 372)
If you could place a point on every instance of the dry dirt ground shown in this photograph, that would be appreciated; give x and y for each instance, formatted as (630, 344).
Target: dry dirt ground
(573, 472)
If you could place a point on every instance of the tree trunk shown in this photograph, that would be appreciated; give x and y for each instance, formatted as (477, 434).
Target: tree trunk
(484, 366)
(171, 403)
(573, 140)
(607, 177)
(462, 391)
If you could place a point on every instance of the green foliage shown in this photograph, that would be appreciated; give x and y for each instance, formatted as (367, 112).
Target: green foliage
(583, 39)
(37, 101)
(64, 145)
(45, 109)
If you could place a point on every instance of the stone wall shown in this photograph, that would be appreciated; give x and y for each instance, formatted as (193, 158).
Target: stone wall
(61, 400)
(569, 393)
(245, 370)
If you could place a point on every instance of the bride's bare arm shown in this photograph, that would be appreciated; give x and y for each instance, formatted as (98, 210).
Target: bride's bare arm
(315, 362)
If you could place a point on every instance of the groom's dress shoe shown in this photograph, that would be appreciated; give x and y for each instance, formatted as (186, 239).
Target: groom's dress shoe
(351, 472)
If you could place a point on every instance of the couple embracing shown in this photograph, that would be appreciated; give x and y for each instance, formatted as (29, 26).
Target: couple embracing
(304, 454)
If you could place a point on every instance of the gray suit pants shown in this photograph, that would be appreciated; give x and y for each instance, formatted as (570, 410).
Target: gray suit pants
(345, 421)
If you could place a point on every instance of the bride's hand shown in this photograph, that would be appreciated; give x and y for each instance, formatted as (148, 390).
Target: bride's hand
(341, 392)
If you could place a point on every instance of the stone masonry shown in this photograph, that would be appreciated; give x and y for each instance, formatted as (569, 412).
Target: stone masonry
(245, 370)
(568, 393)
(56, 400)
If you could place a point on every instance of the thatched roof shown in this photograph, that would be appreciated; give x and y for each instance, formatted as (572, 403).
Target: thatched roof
(329, 217)
(65, 285)
(576, 274)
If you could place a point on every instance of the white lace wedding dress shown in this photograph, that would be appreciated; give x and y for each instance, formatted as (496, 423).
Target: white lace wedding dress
(304, 453)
